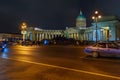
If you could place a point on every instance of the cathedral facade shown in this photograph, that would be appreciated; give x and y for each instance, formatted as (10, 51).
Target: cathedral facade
(37, 34)
(108, 29)
(77, 32)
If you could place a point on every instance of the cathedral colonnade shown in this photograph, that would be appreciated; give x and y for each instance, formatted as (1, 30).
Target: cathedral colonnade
(38, 35)
(73, 35)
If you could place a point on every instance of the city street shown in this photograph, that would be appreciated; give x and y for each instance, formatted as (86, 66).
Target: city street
(55, 63)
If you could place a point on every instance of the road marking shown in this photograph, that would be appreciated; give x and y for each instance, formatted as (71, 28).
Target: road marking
(70, 69)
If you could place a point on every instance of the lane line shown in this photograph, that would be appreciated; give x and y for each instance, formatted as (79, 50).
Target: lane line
(70, 69)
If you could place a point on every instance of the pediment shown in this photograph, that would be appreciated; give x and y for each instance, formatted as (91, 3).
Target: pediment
(72, 30)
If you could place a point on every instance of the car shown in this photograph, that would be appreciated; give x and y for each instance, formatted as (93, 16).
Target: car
(103, 49)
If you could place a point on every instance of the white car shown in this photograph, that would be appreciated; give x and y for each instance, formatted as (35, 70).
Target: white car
(103, 48)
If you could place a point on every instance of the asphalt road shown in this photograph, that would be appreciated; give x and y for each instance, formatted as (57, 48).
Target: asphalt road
(55, 63)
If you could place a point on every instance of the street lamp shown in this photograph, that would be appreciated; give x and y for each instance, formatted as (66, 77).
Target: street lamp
(23, 26)
(96, 17)
(23, 30)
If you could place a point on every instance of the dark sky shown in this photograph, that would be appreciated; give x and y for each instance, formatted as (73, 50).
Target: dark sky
(50, 14)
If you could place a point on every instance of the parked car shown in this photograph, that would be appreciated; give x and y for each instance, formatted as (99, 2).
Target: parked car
(103, 49)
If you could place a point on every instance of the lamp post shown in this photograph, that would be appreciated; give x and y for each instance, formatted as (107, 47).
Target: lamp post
(23, 30)
(101, 31)
(96, 17)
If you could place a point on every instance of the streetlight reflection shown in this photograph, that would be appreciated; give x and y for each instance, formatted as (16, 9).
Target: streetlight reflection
(5, 53)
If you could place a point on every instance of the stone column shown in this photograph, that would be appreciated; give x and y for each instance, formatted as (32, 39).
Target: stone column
(47, 36)
(52, 35)
(116, 36)
(39, 37)
(33, 36)
(36, 36)
(43, 35)
(73, 36)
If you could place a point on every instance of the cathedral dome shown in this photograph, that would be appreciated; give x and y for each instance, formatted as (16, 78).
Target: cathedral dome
(81, 16)
(81, 21)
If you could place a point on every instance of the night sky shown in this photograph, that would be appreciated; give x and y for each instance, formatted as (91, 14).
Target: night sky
(51, 14)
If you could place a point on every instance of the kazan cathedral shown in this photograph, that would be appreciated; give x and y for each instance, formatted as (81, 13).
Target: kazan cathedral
(108, 29)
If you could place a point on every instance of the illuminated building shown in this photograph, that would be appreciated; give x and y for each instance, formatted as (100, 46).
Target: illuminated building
(77, 32)
(37, 34)
(108, 29)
